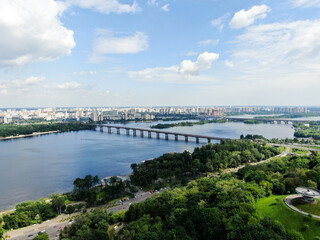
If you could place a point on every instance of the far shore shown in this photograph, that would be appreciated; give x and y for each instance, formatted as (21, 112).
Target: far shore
(28, 135)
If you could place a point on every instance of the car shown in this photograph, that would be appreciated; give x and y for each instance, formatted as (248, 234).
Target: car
(30, 235)
(43, 231)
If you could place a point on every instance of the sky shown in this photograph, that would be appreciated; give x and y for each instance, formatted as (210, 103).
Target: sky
(76, 53)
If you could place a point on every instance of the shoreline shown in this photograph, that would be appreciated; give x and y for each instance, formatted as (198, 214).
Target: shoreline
(28, 135)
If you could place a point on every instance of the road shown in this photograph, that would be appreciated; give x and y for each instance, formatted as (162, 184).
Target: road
(52, 227)
(303, 147)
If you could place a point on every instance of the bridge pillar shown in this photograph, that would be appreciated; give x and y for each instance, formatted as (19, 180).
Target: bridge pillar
(141, 133)
(186, 139)
(158, 135)
(197, 140)
(109, 129)
(127, 131)
(176, 137)
(118, 130)
(209, 140)
(101, 129)
(167, 136)
(134, 132)
(149, 134)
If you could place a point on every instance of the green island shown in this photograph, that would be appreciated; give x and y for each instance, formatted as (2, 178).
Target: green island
(307, 130)
(7, 130)
(186, 124)
(221, 191)
(293, 115)
(252, 121)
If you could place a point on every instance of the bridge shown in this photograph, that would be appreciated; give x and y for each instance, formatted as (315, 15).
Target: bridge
(267, 120)
(157, 133)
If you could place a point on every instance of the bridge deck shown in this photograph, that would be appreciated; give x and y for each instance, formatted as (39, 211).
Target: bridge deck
(164, 132)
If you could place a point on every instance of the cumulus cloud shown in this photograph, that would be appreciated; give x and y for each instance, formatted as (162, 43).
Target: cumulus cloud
(105, 6)
(107, 44)
(187, 70)
(31, 31)
(245, 18)
(306, 3)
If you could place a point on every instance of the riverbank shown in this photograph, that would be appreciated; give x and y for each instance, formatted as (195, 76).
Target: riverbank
(28, 135)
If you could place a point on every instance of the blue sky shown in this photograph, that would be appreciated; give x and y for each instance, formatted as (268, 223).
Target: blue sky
(159, 52)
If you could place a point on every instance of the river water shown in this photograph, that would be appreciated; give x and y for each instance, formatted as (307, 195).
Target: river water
(31, 168)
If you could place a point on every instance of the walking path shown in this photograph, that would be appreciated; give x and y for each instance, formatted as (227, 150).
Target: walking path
(288, 201)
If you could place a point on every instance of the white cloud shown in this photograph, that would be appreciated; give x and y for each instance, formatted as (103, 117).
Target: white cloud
(192, 53)
(31, 31)
(184, 72)
(218, 23)
(153, 2)
(290, 42)
(105, 6)
(165, 8)
(306, 3)
(229, 63)
(208, 42)
(69, 85)
(279, 60)
(245, 18)
(38, 91)
(107, 44)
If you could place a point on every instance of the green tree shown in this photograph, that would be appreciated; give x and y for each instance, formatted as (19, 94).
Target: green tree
(58, 202)
(43, 236)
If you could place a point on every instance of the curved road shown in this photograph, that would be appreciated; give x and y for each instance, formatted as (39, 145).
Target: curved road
(53, 226)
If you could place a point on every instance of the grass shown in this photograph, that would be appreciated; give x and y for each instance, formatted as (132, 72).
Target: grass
(313, 208)
(315, 147)
(299, 151)
(282, 149)
(274, 207)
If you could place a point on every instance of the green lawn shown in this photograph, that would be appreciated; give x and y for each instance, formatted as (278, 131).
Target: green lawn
(278, 210)
(313, 208)
(299, 151)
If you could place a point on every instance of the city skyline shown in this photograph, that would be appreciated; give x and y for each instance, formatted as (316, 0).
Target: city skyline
(159, 53)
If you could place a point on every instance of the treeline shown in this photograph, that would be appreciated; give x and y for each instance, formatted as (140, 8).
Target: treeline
(7, 130)
(294, 115)
(209, 158)
(252, 121)
(84, 190)
(186, 124)
(29, 213)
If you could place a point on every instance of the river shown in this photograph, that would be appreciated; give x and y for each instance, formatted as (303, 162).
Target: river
(36, 167)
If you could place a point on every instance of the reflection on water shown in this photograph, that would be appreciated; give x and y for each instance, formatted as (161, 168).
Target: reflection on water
(36, 167)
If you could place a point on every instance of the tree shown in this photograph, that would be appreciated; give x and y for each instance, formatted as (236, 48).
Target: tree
(58, 202)
(43, 236)
(95, 179)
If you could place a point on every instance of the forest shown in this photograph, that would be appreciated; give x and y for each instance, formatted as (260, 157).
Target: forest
(180, 167)
(222, 207)
(7, 130)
